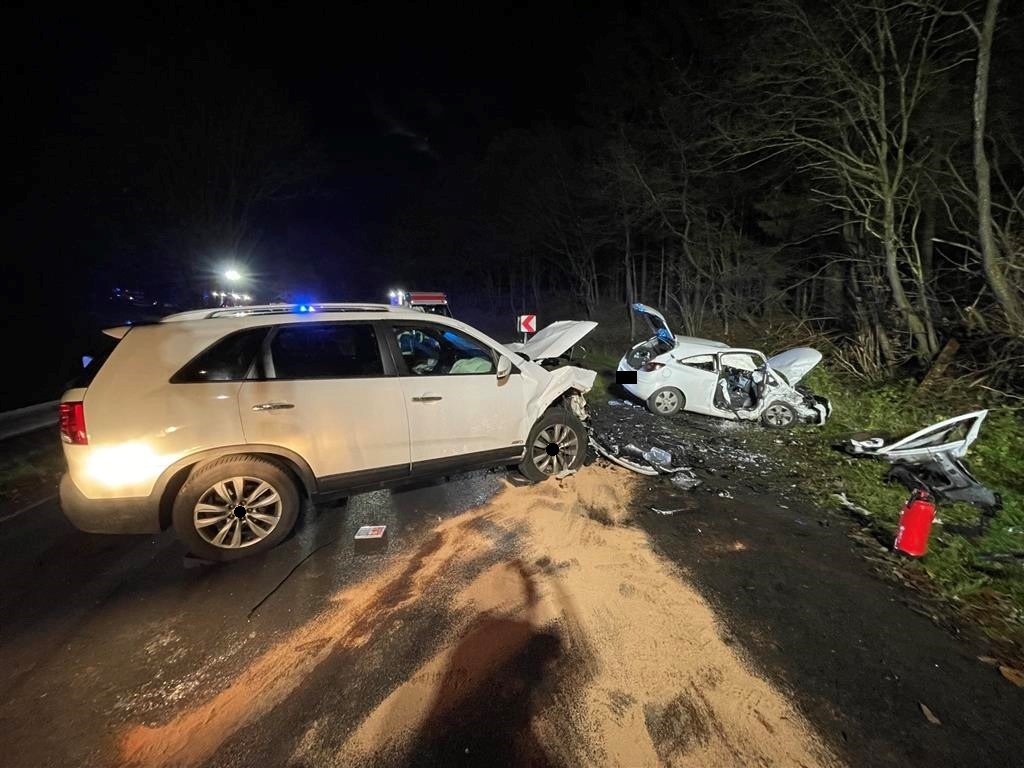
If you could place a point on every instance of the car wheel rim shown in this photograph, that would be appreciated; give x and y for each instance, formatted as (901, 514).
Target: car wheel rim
(555, 449)
(237, 512)
(665, 402)
(779, 415)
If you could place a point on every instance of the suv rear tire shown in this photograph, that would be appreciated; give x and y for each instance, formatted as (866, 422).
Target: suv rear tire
(558, 441)
(234, 507)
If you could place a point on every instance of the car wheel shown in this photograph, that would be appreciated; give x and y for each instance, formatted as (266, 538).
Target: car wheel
(235, 507)
(666, 401)
(558, 441)
(778, 415)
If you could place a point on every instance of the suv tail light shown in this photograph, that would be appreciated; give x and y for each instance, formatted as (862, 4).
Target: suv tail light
(72, 423)
(651, 367)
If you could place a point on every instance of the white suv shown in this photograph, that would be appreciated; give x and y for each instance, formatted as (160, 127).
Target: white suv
(219, 422)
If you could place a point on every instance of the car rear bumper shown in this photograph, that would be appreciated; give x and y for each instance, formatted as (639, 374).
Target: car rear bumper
(128, 515)
(646, 383)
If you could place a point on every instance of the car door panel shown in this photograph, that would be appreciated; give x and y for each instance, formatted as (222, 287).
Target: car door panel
(457, 414)
(339, 426)
(345, 420)
(697, 386)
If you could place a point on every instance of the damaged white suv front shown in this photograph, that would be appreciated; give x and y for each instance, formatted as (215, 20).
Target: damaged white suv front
(671, 373)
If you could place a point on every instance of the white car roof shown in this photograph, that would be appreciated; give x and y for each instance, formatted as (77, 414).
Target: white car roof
(691, 346)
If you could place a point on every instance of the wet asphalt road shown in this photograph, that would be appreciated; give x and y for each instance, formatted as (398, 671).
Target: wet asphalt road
(99, 634)
(94, 628)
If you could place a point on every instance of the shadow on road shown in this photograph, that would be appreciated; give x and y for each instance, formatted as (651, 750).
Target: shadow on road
(483, 711)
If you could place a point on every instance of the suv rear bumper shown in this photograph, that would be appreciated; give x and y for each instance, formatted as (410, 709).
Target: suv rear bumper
(129, 515)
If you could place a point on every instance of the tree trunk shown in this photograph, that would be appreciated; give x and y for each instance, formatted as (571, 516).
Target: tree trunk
(1004, 292)
(630, 287)
(917, 330)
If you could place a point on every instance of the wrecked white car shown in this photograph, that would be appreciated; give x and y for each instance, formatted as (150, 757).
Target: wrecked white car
(671, 373)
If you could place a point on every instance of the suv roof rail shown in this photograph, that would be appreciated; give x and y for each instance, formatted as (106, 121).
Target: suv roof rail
(275, 309)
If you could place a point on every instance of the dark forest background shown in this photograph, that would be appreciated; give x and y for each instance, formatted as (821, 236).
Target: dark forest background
(854, 169)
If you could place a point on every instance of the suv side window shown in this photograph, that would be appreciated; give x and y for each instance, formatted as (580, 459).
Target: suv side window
(325, 351)
(432, 350)
(226, 360)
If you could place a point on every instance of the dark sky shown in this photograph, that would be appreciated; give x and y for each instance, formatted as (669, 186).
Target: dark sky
(395, 94)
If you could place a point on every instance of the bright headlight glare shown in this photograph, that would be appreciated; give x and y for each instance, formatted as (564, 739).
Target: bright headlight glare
(123, 465)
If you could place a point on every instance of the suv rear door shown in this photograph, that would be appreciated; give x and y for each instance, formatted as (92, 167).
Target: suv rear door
(329, 392)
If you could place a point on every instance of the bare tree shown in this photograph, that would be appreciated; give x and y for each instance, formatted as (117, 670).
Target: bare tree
(991, 258)
(840, 88)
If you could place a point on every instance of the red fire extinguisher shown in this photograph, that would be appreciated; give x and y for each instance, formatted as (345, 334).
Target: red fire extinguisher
(915, 524)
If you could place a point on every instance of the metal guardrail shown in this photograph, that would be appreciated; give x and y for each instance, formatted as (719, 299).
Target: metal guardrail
(28, 419)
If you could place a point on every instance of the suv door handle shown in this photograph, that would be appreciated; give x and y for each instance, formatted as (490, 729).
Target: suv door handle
(272, 406)
(428, 397)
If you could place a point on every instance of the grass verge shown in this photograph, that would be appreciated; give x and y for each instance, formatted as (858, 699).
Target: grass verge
(959, 567)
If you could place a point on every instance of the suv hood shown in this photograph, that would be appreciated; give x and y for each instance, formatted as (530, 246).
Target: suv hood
(795, 363)
(554, 340)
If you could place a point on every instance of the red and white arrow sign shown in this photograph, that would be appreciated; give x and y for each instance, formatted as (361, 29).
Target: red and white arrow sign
(528, 323)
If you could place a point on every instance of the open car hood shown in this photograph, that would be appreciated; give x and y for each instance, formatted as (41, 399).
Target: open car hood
(554, 340)
(795, 363)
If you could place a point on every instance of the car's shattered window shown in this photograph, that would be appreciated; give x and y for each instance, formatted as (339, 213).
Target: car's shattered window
(435, 351)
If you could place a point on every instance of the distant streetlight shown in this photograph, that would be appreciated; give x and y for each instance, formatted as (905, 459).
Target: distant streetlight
(233, 275)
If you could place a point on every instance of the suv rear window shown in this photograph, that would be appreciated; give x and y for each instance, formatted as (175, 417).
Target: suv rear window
(228, 360)
(325, 351)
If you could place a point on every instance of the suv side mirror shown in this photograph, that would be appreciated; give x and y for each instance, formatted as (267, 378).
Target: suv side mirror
(504, 367)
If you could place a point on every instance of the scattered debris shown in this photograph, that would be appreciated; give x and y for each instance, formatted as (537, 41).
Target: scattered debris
(931, 459)
(667, 511)
(623, 404)
(658, 456)
(850, 506)
(371, 538)
(725, 494)
(685, 481)
(929, 715)
(615, 458)
(565, 473)
(1001, 557)
(991, 660)
(1015, 676)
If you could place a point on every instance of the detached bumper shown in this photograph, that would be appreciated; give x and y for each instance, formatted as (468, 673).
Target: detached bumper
(128, 515)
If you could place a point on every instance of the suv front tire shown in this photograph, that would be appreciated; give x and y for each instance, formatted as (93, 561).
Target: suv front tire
(557, 442)
(235, 506)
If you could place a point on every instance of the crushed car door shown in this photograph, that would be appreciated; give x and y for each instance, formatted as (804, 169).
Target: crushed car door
(742, 380)
(460, 412)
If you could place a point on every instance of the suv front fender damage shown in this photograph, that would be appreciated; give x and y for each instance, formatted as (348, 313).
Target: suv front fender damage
(568, 382)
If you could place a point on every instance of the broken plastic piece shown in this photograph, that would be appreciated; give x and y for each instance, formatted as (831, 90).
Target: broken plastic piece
(931, 459)
(685, 482)
(658, 456)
